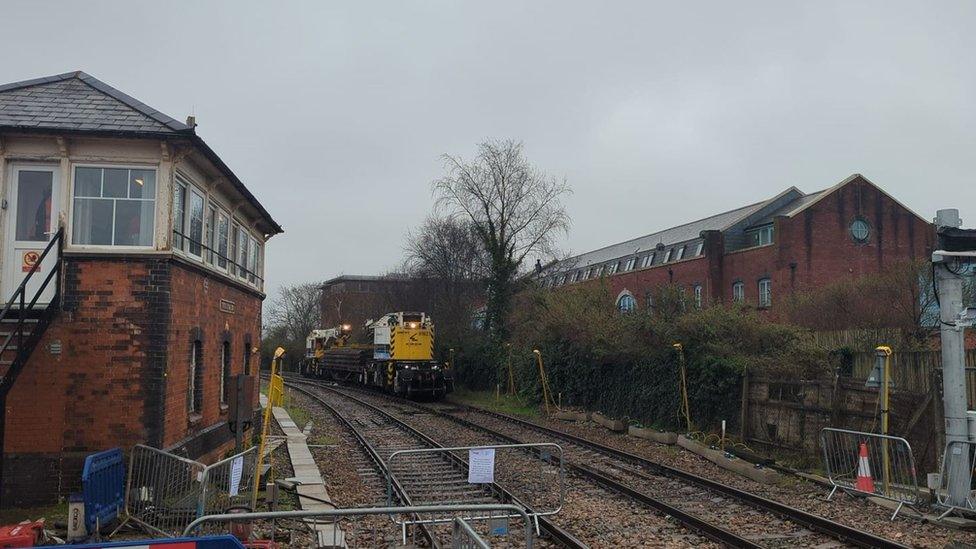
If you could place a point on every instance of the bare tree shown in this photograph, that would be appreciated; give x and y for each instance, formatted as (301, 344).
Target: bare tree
(294, 313)
(514, 208)
(446, 262)
(446, 249)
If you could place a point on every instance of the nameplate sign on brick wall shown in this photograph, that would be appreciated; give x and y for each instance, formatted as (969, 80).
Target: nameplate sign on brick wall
(227, 306)
(54, 347)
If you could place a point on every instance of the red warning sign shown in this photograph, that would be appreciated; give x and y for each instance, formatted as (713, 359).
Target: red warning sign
(30, 259)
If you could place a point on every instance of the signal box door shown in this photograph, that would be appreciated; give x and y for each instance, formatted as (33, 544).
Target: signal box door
(32, 209)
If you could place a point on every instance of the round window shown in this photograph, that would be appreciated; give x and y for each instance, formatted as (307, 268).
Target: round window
(860, 230)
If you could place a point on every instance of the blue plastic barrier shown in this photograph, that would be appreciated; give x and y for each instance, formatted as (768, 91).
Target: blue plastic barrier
(103, 487)
(206, 542)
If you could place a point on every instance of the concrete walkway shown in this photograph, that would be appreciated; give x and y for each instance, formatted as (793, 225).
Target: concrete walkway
(307, 474)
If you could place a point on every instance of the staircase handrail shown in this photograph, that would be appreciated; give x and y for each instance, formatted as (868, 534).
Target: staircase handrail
(22, 289)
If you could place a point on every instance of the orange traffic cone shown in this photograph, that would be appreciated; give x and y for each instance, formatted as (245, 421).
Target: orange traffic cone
(864, 481)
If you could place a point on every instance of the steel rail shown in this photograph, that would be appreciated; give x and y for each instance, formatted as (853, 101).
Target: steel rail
(820, 524)
(374, 455)
(809, 520)
(712, 531)
(560, 535)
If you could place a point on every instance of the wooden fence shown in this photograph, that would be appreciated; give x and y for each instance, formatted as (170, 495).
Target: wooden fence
(788, 414)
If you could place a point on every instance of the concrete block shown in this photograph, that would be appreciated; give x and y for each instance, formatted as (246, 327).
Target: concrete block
(616, 425)
(571, 415)
(738, 466)
(662, 437)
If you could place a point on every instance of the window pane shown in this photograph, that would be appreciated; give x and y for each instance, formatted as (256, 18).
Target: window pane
(253, 265)
(134, 222)
(196, 223)
(116, 183)
(34, 205)
(92, 221)
(232, 253)
(222, 242)
(242, 254)
(179, 211)
(211, 228)
(88, 182)
(142, 184)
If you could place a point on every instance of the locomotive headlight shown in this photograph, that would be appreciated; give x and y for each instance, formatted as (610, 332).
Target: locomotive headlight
(412, 325)
(346, 327)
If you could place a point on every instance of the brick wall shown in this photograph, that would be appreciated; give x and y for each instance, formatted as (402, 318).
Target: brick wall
(812, 249)
(197, 313)
(120, 378)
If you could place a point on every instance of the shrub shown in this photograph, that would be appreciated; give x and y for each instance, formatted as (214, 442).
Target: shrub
(624, 364)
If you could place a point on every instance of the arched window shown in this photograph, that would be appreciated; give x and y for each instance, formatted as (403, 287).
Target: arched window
(224, 372)
(765, 292)
(194, 396)
(698, 296)
(626, 303)
(738, 292)
(247, 355)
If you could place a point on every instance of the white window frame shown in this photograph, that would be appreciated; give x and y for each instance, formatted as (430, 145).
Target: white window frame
(613, 268)
(667, 256)
(190, 187)
(630, 264)
(699, 248)
(738, 292)
(765, 292)
(228, 221)
(210, 231)
(698, 296)
(761, 236)
(70, 205)
(681, 253)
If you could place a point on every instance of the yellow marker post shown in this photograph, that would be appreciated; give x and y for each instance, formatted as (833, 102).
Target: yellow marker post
(265, 426)
(511, 375)
(546, 395)
(685, 408)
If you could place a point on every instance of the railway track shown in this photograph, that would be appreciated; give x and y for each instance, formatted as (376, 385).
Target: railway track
(422, 479)
(698, 503)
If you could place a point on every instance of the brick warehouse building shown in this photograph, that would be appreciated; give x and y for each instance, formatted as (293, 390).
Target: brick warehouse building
(787, 243)
(352, 299)
(155, 251)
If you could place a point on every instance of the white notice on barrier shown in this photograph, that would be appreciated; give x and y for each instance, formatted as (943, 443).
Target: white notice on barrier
(236, 471)
(481, 466)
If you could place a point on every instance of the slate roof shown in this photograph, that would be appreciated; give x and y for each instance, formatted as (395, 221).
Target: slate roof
(77, 101)
(673, 235)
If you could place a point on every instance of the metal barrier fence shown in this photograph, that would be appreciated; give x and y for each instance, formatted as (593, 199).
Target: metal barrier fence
(518, 477)
(871, 464)
(165, 492)
(228, 483)
(503, 510)
(958, 459)
(464, 537)
(103, 487)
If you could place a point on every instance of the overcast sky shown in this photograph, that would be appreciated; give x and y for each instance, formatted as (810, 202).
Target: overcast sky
(335, 114)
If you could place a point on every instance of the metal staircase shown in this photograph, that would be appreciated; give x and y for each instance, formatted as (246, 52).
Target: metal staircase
(22, 323)
(24, 320)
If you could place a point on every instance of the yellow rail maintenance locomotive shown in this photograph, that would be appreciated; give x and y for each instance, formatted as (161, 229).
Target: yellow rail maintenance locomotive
(399, 360)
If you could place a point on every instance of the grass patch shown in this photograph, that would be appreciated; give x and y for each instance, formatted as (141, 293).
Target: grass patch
(298, 413)
(50, 513)
(504, 403)
(322, 440)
